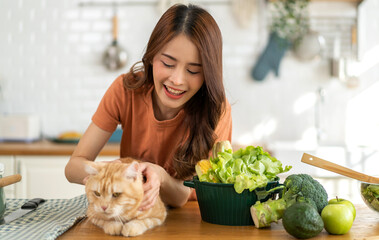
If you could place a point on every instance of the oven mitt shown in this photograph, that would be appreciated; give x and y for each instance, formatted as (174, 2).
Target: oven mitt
(271, 57)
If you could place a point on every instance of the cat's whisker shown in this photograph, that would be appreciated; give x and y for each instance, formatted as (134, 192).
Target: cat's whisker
(91, 214)
(119, 219)
(123, 219)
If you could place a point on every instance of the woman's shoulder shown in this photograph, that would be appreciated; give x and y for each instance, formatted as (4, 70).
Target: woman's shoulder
(119, 84)
(143, 92)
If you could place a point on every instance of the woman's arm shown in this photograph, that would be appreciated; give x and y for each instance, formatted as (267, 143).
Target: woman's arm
(173, 191)
(89, 146)
(158, 181)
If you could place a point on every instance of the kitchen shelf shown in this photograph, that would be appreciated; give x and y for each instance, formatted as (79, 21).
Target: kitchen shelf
(45, 147)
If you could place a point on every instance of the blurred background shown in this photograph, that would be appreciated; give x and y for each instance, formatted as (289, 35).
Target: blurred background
(322, 100)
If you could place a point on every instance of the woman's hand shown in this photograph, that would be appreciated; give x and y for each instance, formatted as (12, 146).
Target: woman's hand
(151, 187)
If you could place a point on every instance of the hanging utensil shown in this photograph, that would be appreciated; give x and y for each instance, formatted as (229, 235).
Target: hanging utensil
(115, 57)
(310, 46)
(243, 11)
(318, 162)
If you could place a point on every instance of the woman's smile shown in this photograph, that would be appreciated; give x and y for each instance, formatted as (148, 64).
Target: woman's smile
(173, 92)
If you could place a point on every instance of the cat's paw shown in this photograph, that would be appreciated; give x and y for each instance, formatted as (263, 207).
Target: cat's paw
(133, 228)
(98, 222)
(113, 228)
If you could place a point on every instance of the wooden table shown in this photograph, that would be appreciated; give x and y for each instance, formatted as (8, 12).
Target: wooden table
(186, 223)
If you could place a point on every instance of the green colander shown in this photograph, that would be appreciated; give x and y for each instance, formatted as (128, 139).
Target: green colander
(2, 195)
(220, 204)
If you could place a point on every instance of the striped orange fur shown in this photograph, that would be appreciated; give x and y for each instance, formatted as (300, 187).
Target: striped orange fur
(114, 192)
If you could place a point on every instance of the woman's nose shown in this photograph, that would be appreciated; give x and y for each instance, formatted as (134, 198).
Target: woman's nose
(177, 77)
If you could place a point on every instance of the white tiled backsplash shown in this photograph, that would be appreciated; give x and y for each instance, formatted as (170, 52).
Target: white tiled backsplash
(50, 65)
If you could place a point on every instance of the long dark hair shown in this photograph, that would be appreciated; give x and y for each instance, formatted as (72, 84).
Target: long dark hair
(205, 108)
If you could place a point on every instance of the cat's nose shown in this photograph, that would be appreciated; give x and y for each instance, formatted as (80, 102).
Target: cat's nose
(104, 207)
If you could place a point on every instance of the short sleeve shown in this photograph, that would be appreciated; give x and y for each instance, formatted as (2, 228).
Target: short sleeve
(107, 115)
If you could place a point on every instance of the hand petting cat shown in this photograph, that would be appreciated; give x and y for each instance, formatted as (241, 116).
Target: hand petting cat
(152, 185)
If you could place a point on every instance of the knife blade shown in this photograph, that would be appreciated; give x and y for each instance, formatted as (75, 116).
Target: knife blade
(27, 207)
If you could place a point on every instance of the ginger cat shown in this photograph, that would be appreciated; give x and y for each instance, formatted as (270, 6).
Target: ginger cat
(114, 192)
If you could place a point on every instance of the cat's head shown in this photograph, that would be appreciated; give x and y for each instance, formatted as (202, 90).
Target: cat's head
(113, 188)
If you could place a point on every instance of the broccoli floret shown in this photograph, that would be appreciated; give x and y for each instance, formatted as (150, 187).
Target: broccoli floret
(297, 188)
(305, 186)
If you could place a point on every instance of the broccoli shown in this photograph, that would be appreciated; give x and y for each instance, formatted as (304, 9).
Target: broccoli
(296, 188)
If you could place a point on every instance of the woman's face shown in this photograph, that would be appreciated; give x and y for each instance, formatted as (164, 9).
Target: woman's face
(178, 75)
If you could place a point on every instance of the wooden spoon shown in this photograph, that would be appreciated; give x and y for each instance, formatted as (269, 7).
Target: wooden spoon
(8, 180)
(318, 162)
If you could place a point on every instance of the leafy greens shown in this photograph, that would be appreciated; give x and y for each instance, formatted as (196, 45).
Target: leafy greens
(248, 168)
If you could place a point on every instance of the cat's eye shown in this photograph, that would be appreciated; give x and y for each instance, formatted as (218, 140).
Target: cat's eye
(97, 194)
(116, 194)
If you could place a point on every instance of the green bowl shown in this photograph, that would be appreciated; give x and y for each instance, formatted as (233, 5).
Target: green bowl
(220, 204)
(2, 203)
(2, 195)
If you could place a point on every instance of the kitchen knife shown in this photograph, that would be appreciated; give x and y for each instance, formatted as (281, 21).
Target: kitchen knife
(27, 207)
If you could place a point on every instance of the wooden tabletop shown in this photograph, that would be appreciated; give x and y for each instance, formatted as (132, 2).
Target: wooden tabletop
(186, 223)
(45, 147)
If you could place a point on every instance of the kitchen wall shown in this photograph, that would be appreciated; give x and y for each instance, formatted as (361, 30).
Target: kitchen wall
(50, 65)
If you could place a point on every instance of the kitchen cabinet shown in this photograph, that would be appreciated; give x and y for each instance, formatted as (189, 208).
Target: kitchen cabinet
(41, 165)
(43, 176)
(9, 169)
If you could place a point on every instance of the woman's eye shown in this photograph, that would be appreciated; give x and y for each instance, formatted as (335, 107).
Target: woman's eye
(97, 194)
(116, 194)
(167, 65)
(192, 72)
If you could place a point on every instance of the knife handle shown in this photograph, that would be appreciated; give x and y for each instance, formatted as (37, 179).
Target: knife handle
(33, 204)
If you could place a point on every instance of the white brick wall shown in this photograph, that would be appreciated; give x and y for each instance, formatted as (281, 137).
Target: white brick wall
(50, 64)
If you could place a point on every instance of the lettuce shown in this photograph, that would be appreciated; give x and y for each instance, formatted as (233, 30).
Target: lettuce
(247, 168)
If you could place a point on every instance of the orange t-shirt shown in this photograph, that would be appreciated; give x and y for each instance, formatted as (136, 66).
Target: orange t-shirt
(144, 137)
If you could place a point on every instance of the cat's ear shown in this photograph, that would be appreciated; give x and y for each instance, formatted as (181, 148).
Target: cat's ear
(90, 168)
(132, 171)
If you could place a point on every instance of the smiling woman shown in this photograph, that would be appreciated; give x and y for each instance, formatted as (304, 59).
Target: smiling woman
(172, 108)
(177, 76)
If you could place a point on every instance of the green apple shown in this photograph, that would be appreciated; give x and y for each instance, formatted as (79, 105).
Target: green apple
(345, 202)
(338, 218)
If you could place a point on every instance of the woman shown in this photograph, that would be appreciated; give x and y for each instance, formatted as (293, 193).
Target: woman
(172, 109)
